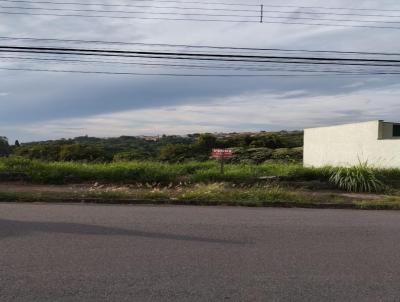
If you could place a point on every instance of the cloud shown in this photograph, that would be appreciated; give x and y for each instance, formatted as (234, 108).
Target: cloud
(247, 112)
(39, 105)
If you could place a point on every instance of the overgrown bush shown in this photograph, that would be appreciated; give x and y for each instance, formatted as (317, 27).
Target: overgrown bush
(288, 154)
(261, 155)
(251, 155)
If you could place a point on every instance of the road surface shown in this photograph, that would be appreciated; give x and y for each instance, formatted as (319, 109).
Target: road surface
(150, 253)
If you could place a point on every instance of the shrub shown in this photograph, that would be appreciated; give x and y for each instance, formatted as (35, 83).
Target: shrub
(78, 152)
(254, 155)
(289, 154)
(359, 178)
(176, 153)
(130, 156)
(4, 146)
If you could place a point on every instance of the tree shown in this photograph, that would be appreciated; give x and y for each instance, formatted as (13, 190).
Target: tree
(206, 142)
(4, 146)
(45, 152)
(17, 144)
(176, 153)
(131, 156)
(272, 141)
(77, 152)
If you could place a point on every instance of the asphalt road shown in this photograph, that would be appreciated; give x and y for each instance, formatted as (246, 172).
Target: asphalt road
(148, 253)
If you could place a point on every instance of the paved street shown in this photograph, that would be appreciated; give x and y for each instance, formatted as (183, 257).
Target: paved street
(149, 253)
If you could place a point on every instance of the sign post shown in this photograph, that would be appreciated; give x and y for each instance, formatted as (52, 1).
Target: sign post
(221, 155)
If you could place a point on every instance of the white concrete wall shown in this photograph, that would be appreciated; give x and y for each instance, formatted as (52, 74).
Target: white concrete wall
(346, 145)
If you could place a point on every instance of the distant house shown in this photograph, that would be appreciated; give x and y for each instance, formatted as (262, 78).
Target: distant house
(375, 142)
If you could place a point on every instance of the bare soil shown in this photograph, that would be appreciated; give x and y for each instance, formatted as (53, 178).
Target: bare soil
(20, 187)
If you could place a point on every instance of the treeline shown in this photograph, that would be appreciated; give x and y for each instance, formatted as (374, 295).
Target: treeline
(249, 148)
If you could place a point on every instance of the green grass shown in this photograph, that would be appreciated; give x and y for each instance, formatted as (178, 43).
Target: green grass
(354, 179)
(217, 194)
(211, 195)
(9, 197)
(387, 203)
(152, 172)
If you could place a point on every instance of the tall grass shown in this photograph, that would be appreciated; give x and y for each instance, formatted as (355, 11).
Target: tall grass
(256, 196)
(152, 172)
(359, 178)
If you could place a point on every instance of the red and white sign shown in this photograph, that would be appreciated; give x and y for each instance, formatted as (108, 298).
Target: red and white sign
(222, 153)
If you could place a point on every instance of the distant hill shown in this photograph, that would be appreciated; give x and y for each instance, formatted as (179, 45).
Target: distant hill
(166, 147)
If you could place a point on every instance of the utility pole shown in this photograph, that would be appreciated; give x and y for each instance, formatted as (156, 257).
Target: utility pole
(262, 13)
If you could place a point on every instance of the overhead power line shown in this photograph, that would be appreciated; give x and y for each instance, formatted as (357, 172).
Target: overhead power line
(199, 20)
(184, 8)
(127, 12)
(201, 14)
(333, 8)
(208, 57)
(269, 5)
(116, 5)
(236, 64)
(193, 46)
(148, 74)
(215, 4)
(91, 4)
(189, 66)
(188, 75)
(254, 17)
(127, 17)
(186, 55)
(185, 3)
(143, 1)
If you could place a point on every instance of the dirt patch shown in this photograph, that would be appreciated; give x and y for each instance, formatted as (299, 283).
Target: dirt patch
(29, 188)
(20, 187)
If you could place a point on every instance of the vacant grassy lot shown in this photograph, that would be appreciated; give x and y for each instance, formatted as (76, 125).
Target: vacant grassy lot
(152, 172)
(201, 183)
(156, 174)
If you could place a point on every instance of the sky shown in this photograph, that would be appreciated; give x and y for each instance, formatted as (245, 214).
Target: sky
(41, 105)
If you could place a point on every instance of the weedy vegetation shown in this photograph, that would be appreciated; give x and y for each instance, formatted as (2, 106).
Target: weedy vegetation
(359, 178)
(152, 172)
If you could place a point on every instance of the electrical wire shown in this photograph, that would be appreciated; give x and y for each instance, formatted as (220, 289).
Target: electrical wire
(256, 63)
(199, 20)
(132, 6)
(203, 3)
(126, 12)
(292, 60)
(198, 14)
(187, 75)
(268, 5)
(185, 8)
(181, 66)
(193, 46)
(87, 51)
